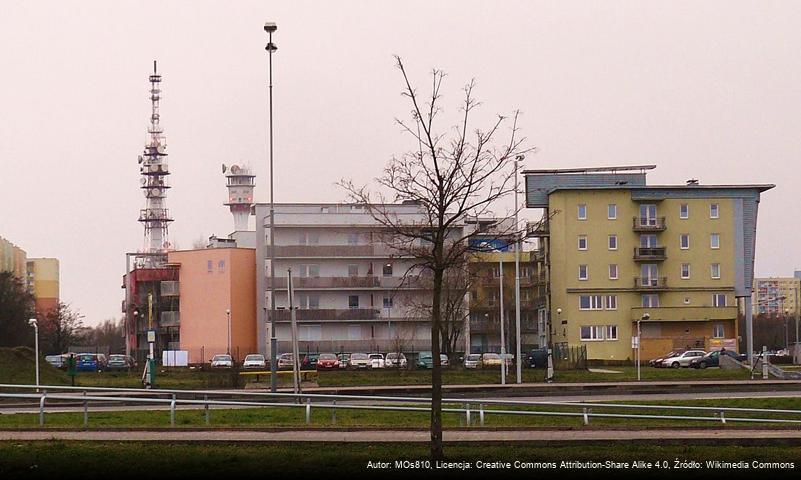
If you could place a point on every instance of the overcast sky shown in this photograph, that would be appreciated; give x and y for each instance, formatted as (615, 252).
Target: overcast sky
(707, 90)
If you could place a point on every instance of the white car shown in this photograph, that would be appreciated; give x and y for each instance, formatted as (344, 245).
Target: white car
(683, 360)
(358, 360)
(254, 361)
(472, 361)
(376, 360)
(222, 361)
(395, 360)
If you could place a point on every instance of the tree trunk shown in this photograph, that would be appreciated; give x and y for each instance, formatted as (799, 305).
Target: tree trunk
(436, 374)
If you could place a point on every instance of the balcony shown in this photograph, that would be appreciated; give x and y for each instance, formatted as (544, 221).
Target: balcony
(329, 314)
(537, 229)
(170, 288)
(349, 283)
(170, 319)
(334, 251)
(684, 314)
(650, 283)
(650, 254)
(643, 224)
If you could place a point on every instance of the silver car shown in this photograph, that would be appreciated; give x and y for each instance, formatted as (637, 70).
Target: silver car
(254, 361)
(472, 361)
(359, 360)
(222, 361)
(684, 359)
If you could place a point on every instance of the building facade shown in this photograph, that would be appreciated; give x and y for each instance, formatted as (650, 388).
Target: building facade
(776, 296)
(43, 282)
(13, 259)
(618, 249)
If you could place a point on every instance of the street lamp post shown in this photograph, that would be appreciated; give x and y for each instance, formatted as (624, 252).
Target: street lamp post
(645, 317)
(518, 341)
(503, 337)
(228, 314)
(270, 28)
(549, 331)
(35, 326)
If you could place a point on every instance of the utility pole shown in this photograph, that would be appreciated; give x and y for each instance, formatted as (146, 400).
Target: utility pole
(270, 27)
(503, 338)
(294, 325)
(518, 340)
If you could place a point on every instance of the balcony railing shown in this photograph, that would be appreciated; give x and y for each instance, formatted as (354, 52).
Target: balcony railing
(650, 254)
(330, 314)
(537, 229)
(644, 224)
(349, 282)
(170, 319)
(170, 288)
(650, 283)
(334, 251)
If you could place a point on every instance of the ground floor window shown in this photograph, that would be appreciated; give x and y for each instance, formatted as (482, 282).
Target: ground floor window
(718, 331)
(611, 332)
(591, 333)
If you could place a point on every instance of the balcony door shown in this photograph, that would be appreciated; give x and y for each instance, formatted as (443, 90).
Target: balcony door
(648, 241)
(650, 274)
(648, 215)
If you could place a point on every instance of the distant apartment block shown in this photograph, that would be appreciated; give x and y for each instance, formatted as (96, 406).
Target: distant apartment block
(617, 249)
(12, 259)
(43, 278)
(776, 295)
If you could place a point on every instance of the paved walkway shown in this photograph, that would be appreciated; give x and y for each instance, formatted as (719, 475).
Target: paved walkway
(705, 436)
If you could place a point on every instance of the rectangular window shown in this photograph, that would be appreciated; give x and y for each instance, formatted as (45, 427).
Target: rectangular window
(314, 302)
(496, 271)
(714, 210)
(354, 332)
(714, 240)
(353, 239)
(353, 270)
(582, 211)
(611, 211)
(583, 274)
(221, 266)
(314, 271)
(353, 301)
(302, 238)
(715, 270)
(718, 331)
(592, 333)
(685, 270)
(310, 332)
(387, 270)
(613, 271)
(685, 241)
(650, 300)
(525, 272)
(210, 266)
(611, 332)
(590, 302)
(684, 211)
(719, 299)
(387, 302)
(611, 302)
(612, 242)
(582, 242)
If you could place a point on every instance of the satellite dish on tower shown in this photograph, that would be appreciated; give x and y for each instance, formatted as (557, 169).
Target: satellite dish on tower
(224, 168)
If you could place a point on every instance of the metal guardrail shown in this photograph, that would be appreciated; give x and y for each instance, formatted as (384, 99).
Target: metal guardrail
(586, 412)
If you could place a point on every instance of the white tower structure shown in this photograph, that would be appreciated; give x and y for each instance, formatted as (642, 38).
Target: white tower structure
(241, 182)
(154, 169)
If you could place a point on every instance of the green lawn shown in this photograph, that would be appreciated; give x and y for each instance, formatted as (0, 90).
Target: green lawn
(61, 459)
(295, 416)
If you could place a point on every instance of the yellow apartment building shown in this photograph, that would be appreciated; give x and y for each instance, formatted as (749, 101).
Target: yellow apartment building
(12, 259)
(776, 296)
(675, 257)
(43, 282)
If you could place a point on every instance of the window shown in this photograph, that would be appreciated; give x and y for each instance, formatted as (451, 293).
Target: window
(353, 239)
(583, 274)
(590, 302)
(714, 240)
(496, 271)
(613, 271)
(684, 241)
(582, 211)
(582, 242)
(719, 299)
(387, 302)
(648, 215)
(525, 272)
(310, 332)
(210, 266)
(684, 211)
(354, 332)
(612, 242)
(314, 238)
(314, 302)
(611, 302)
(611, 211)
(715, 270)
(718, 331)
(714, 210)
(353, 270)
(685, 270)
(221, 266)
(650, 300)
(592, 333)
(611, 332)
(387, 270)
(353, 301)
(310, 271)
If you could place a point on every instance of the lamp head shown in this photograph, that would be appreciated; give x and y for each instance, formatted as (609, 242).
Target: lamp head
(270, 27)
(646, 316)
(558, 311)
(228, 311)
(32, 322)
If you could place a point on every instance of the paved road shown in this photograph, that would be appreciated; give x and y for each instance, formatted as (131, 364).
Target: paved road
(706, 436)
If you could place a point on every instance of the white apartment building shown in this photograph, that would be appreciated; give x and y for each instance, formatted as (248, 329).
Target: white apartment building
(354, 292)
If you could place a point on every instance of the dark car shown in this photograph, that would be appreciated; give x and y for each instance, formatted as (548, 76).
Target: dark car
(90, 362)
(712, 359)
(537, 358)
(309, 361)
(120, 362)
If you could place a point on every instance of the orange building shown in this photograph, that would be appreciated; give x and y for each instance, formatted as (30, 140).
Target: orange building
(211, 282)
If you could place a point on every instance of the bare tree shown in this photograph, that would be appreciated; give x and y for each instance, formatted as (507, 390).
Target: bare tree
(452, 174)
(60, 327)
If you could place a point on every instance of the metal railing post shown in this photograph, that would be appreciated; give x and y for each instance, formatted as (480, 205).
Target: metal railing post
(206, 408)
(42, 408)
(723, 417)
(85, 411)
(586, 417)
(467, 414)
(334, 413)
(172, 411)
(308, 411)
(481, 413)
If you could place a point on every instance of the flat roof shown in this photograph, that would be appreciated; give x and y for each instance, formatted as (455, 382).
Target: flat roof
(755, 186)
(624, 168)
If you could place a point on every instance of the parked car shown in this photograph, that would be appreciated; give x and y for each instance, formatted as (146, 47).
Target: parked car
(90, 362)
(712, 359)
(472, 361)
(684, 359)
(222, 361)
(395, 360)
(490, 360)
(255, 361)
(657, 362)
(58, 361)
(120, 362)
(309, 361)
(537, 358)
(425, 360)
(444, 360)
(344, 360)
(327, 361)
(285, 361)
(376, 360)
(358, 360)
